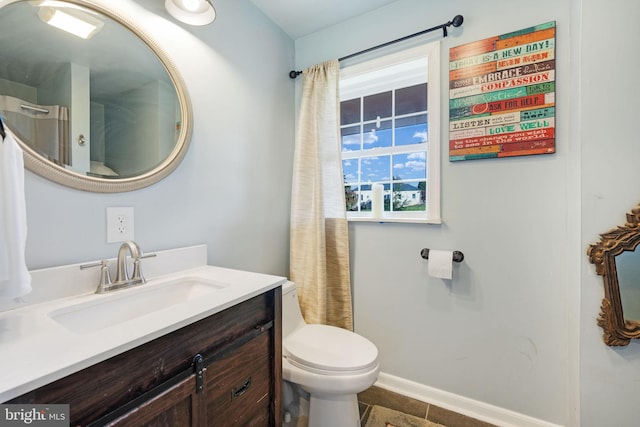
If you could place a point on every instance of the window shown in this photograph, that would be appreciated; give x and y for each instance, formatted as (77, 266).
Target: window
(390, 137)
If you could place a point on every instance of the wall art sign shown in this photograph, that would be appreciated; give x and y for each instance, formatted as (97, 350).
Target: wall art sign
(502, 95)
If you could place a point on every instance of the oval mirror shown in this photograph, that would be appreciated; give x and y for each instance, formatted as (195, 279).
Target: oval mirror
(105, 111)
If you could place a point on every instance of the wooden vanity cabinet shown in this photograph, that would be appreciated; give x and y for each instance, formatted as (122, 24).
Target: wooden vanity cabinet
(224, 370)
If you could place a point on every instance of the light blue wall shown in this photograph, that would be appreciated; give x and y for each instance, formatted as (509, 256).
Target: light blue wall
(500, 332)
(517, 326)
(232, 190)
(610, 174)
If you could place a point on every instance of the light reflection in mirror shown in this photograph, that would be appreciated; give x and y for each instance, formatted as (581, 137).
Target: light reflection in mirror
(628, 267)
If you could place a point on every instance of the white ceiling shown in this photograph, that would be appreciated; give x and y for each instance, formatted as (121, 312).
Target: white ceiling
(299, 18)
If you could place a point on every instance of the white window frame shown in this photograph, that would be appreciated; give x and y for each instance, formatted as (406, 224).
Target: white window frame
(370, 77)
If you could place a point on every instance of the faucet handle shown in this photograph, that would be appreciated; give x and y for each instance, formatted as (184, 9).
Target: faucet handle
(137, 276)
(105, 276)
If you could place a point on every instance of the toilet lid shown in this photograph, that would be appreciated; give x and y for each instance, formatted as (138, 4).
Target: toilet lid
(330, 348)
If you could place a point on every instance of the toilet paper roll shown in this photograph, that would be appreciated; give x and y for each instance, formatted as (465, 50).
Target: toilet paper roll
(440, 264)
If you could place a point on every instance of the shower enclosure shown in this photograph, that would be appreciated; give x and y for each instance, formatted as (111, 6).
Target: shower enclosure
(44, 127)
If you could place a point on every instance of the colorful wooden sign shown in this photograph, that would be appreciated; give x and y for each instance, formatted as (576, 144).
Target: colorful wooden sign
(502, 95)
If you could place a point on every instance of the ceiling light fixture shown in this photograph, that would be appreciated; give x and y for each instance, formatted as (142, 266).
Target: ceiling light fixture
(193, 12)
(72, 21)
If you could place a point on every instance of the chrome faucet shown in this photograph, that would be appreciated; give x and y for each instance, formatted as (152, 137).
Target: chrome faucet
(122, 276)
(123, 280)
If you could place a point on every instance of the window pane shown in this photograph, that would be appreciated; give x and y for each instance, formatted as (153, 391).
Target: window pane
(410, 166)
(365, 198)
(375, 169)
(350, 171)
(350, 111)
(378, 105)
(411, 130)
(350, 137)
(351, 197)
(377, 136)
(409, 196)
(412, 99)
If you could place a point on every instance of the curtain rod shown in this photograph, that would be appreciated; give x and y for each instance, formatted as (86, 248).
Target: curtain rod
(456, 22)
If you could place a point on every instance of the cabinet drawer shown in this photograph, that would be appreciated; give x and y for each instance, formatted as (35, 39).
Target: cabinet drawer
(238, 385)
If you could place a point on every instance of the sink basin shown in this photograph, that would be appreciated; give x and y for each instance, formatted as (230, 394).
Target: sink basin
(120, 306)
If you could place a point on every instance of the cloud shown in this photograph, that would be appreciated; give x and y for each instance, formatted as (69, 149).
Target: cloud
(351, 140)
(414, 162)
(369, 160)
(370, 137)
(422, 136)
(420, 155)
(415, 165)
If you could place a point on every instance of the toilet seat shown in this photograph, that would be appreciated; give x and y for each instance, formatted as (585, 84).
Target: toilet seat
(329, 350)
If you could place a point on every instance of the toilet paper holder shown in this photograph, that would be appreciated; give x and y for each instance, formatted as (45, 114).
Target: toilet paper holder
(457, 255)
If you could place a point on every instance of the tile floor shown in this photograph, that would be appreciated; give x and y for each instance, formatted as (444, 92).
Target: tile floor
(382, 397)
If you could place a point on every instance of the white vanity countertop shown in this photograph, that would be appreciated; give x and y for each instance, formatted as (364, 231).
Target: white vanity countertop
(35, 349)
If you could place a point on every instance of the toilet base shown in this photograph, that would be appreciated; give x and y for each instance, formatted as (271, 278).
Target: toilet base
(333, 399)
(334, 410)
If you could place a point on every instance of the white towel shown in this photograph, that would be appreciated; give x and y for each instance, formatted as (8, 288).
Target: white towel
(15, 280)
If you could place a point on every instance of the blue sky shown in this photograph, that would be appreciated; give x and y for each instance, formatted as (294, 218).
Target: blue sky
(410, 165)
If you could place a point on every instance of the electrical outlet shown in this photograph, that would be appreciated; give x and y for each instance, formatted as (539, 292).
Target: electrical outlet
(119, 225)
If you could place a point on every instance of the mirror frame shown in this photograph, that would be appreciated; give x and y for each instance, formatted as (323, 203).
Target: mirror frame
(41, 166)
(617, 330)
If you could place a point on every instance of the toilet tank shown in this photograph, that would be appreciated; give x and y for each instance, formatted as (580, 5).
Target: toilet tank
(291, 315)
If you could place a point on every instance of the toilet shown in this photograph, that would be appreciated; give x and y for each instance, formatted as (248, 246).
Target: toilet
(331, 364)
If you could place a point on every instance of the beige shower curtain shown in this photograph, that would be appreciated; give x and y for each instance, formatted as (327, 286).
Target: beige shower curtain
(45, 128)
(319, 257)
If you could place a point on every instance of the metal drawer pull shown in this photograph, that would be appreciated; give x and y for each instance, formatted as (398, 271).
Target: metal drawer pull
(237, 392)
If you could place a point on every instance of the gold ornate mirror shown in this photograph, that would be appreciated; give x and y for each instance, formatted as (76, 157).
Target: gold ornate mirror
(618, 262)
(105, 112)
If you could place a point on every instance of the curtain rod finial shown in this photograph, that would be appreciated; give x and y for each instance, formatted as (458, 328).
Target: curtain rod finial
(457, 20)
(293, 74)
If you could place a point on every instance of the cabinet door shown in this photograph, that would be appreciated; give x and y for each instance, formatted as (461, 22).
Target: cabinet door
(238, 386)
(176, 406)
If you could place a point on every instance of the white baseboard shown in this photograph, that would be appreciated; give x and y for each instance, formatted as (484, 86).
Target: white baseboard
(459, 404)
